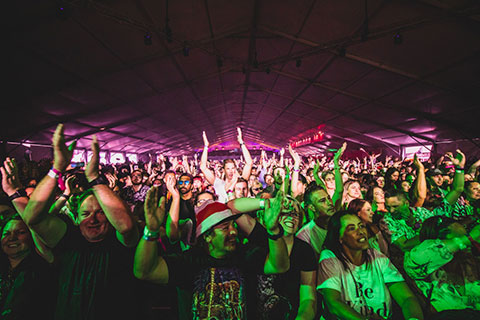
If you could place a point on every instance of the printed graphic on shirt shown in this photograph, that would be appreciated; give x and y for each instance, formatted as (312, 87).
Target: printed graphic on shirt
(218, 293)
(272, 304)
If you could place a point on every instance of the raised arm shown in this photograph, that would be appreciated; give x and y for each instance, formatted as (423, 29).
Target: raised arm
(473, 168)
(60, 202)
(277, 260)
(172, 225)
(247, 168)
(116, 211)
(12, 186)
(338, 194)
(148, 265)
(296, 170)
(209, 174)
(420, 185)
(458, 183)
(49, 228)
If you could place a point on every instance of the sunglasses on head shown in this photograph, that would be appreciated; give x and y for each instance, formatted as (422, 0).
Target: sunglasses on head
(186, 182)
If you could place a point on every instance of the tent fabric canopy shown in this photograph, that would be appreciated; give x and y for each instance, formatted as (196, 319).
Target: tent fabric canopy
(377, 74)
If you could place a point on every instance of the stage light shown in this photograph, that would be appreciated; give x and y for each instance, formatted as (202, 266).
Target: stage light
(397, 38)
(147, 39)
(298, 63)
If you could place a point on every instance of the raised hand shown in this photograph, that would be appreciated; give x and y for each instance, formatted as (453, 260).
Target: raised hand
(272, 213)
(239, 136)
(154, 216)
(282, 152)
(459, 160)
(171, 184)
(417, 163)
(205, 140)
(339, 153)
(69, 185)
(62, 154)
(10, 181)
(294, 155)
(112, 180)
(92, 168)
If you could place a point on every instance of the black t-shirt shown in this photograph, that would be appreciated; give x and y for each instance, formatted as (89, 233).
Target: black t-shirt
(279, 294)
(95, 278)
(187, 211)
(26, 291)
(221, 288)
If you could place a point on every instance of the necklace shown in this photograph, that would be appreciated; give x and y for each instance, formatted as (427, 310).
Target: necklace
(212, 283)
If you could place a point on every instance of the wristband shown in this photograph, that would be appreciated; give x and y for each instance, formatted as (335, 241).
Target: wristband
(276, 236)
(460, 168)
(52, 174)
(296, 169)
(100, 180)
(55, 174)
(262, 204)
(150, 235)
(18, 194)
(66, 196)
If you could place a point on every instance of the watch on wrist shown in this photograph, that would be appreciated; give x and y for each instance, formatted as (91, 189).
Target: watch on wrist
(18, 194)
(276, 236)
(100, 180)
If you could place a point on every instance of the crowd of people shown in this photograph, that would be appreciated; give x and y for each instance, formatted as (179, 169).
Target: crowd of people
(279, 237)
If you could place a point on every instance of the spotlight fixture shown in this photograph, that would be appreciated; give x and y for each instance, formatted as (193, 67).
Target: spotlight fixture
(219, 62)
(186, 50)
(397, 38)
(298, 63)
(147, 39)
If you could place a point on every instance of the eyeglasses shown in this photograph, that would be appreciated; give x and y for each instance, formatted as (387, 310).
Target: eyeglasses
(257, 189)
(290, 214)
(181, 182)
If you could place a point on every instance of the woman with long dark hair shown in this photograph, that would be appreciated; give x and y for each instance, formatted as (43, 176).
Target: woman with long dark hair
(378, 233)
(391, 177)
(25, 277)
(356, 281)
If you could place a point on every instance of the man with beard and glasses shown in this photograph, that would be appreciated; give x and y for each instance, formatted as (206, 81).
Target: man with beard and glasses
(181, 213)
(136, 192)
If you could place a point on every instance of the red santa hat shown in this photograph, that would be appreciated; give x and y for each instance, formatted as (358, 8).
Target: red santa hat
(211, 213)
